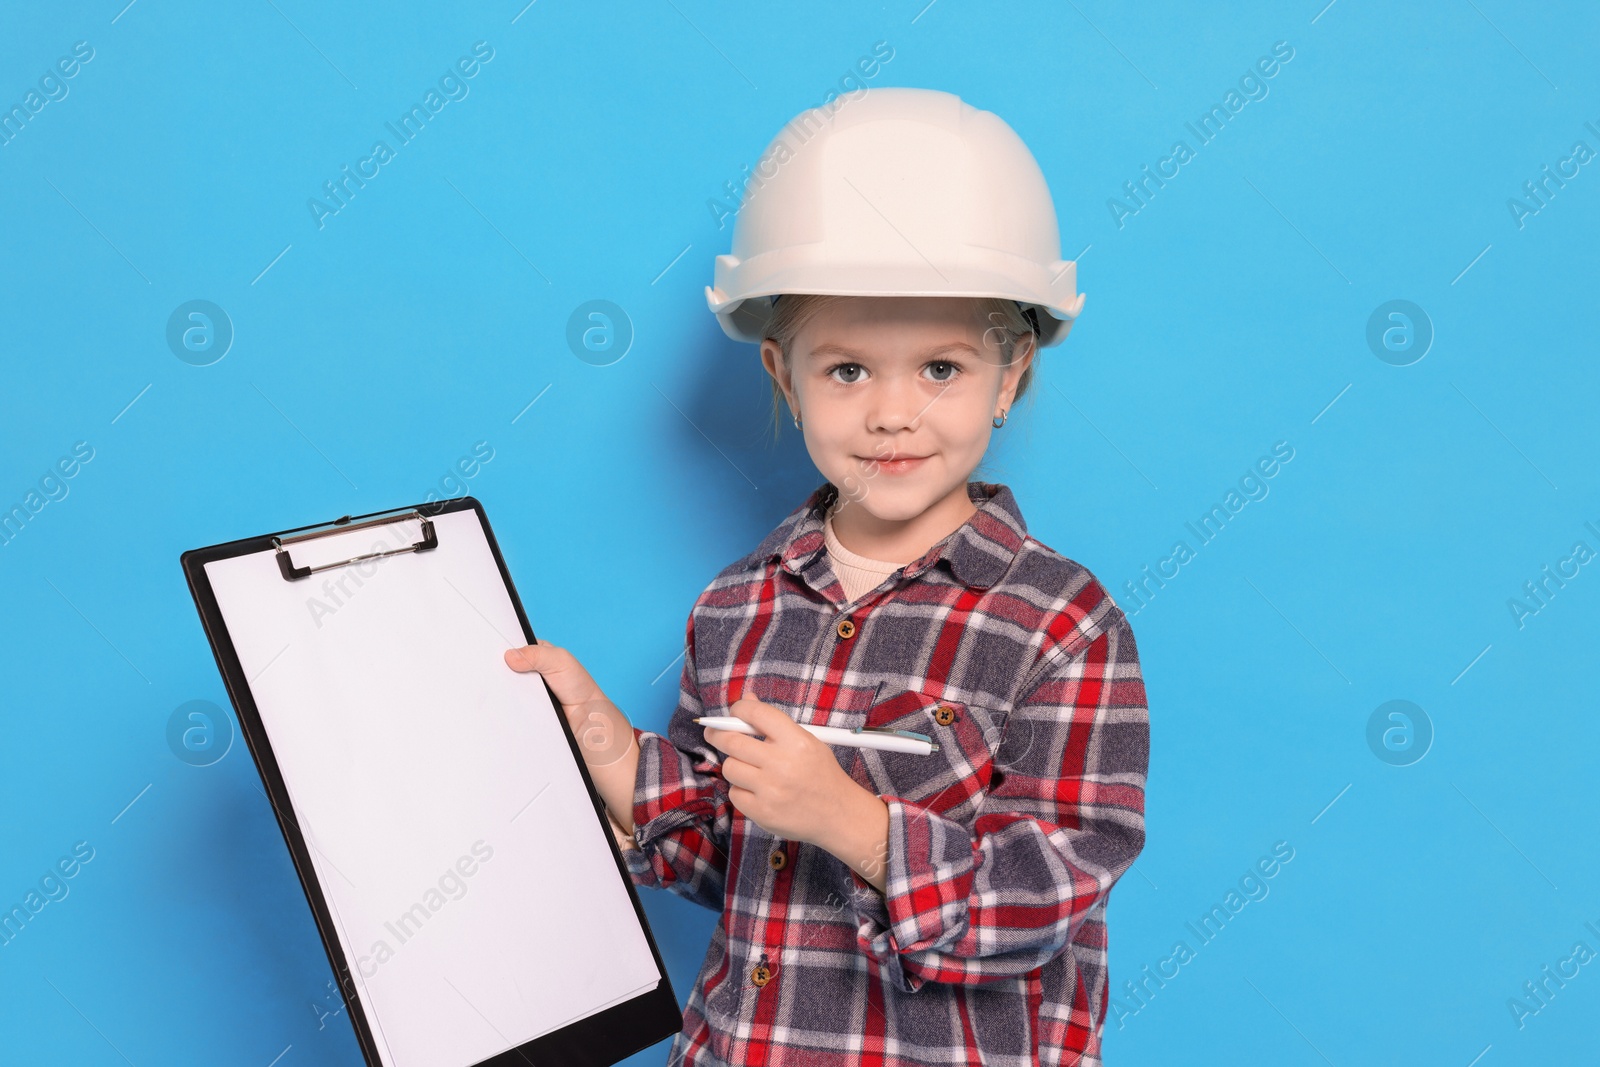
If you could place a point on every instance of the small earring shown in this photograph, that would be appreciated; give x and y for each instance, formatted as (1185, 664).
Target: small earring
(797, 420)
(999, 424)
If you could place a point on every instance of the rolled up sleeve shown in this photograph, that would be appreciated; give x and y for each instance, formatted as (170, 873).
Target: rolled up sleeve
(682, 817)
(1047, 843)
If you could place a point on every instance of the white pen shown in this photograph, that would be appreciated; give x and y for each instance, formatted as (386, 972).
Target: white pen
(860, 737)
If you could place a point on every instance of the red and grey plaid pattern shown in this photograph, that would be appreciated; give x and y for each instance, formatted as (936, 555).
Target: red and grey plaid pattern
(990, 943)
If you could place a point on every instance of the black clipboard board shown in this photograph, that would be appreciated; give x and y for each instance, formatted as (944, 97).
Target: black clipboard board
(601, 1038)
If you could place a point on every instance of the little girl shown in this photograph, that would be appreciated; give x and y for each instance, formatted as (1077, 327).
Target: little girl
(899, 271)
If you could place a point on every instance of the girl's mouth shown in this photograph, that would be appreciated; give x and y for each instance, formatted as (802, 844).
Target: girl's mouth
(897, 465)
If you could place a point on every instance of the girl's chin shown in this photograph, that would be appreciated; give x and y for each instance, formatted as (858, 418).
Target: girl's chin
(888, 499)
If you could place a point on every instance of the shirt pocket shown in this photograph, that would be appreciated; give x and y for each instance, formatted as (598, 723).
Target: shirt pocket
(951, 780)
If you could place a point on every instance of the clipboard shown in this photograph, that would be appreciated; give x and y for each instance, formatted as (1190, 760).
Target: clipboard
(434, 801)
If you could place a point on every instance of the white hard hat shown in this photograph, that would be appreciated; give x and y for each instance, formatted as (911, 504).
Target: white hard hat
(896, 192)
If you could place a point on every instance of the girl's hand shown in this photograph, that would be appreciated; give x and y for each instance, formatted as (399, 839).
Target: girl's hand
(604, 734)
(790, 784)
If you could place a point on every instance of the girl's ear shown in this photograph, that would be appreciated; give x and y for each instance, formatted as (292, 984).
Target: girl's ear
(772, 358)
(1022, 356)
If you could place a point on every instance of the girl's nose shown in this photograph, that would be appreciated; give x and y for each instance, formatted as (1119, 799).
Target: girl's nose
(897, 404)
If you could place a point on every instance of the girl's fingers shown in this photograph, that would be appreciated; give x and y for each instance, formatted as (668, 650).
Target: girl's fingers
(736, 777)
(748, 749)
(567, 677)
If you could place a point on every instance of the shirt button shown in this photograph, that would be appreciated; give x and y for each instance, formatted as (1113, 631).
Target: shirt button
(944, 715)
(762, 974)
(847, 629)
(778, 860)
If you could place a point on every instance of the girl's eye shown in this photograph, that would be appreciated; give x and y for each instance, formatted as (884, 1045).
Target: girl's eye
(943, 372)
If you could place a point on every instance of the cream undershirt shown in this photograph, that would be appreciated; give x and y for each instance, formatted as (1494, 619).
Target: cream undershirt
(857, 574)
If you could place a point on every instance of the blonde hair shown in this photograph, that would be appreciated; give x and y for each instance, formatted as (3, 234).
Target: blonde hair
(1006, 317)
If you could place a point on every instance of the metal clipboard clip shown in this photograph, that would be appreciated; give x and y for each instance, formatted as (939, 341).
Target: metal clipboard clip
(344, 525)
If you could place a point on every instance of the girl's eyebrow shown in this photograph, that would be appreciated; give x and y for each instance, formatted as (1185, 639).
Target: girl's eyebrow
(830, 349)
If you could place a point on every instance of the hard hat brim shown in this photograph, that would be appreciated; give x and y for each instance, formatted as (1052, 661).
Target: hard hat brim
(744, 315)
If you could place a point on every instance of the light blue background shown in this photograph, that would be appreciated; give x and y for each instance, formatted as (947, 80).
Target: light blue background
(1230, 313)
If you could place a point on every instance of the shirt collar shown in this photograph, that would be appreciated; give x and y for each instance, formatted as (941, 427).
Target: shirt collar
(978, 552)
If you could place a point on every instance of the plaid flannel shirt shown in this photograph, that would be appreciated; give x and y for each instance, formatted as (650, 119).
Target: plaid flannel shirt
(1003, 844)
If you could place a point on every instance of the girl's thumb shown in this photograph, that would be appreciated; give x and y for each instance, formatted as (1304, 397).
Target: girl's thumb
(529, 657)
